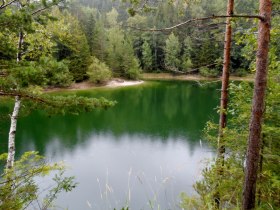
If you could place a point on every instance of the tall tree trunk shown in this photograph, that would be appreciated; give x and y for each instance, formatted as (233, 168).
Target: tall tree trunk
(225, 81)
(12, 134)
(224, 96)
(254, 140)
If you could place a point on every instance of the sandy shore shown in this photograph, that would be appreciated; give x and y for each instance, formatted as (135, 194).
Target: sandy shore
(88, 85)
(117, 82)
(123, 83)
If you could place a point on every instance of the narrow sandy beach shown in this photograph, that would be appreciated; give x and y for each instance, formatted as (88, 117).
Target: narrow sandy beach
(88, 85)
(123, 83)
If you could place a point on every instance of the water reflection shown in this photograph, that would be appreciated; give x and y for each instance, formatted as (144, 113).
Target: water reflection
(146, 148)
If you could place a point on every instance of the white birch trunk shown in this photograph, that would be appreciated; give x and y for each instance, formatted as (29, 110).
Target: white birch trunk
(12, 134)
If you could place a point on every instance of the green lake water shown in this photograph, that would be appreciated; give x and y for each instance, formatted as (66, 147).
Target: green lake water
(143, 152)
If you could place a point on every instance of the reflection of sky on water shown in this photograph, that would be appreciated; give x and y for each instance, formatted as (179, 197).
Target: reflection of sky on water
(136, 168)
(153, 134)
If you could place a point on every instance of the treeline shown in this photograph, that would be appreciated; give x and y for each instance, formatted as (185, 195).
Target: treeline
(193, 48)
(99, 39)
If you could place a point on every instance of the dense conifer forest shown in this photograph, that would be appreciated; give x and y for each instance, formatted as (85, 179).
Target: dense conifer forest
(46, 44)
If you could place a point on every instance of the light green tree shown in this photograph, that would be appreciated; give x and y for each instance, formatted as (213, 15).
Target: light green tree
(98, 71)
(147, 57)
(120, 53)
(172, 52)
(186, 58)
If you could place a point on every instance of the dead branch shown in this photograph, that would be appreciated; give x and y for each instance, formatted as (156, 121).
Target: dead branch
(176, 70)
(3, 5)
(197, 19)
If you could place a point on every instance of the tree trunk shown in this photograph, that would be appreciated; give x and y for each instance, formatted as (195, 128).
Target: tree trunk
(12, 134)
(224, 97)
(254, 140)
(225, 80)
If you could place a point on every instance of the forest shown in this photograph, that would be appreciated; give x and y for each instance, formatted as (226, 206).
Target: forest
(53, 44)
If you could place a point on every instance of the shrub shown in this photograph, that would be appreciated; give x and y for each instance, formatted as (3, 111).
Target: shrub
(206, 72)
(18, 187)
(99, 72)
(241, 72)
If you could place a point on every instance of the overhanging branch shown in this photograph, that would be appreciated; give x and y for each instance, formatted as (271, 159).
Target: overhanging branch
(200, 19)
(3, 5)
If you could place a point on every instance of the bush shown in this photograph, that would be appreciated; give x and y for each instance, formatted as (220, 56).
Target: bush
(18, 186)
(240, 72)
(98, 72)
(56, 72)
(206, 72)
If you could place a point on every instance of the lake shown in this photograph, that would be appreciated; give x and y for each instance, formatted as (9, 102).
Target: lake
(143, 152)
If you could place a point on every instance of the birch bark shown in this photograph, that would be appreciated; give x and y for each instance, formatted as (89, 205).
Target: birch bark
(12, 134)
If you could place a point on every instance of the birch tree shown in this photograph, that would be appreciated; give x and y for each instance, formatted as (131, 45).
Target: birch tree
(20, 22)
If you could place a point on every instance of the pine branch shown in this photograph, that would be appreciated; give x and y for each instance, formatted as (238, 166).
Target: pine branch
(63, 104)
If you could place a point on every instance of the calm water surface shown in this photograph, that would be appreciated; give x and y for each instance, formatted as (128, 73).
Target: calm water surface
(143, 152)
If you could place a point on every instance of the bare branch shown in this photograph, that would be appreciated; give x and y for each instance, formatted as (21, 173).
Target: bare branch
(176, 70)
(7, 4)
(3, 3)
(199, 19)
(41, 10)
(45, 8)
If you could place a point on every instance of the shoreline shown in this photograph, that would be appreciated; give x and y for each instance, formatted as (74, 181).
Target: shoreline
(191, 77)
(117, 82)
(86, 85)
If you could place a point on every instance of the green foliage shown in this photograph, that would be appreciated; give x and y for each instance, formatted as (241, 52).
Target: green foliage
(229, 184)
(241, 72)
(147, 57)
(66, 104)
(18, 188)
(187, 64)
(186, 58)
(120, 54)
(172, 52)
(99, 72)
(133, 71)
(46, 72)
(71, 43)
(206, 72)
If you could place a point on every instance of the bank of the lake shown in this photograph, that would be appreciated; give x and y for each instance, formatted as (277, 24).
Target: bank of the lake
(191, 77)
(119, 82)
(87, 85)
